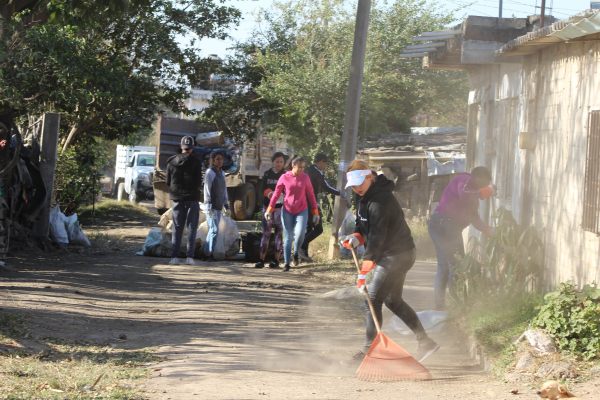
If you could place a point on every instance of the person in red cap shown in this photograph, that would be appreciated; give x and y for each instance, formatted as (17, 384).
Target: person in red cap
(389, 252)
(184, 178)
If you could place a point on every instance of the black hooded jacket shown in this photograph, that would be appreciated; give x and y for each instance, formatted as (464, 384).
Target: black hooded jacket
(381, 222)
(184, 177)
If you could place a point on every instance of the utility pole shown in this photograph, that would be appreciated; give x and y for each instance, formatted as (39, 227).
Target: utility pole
(542, 14)
(350, 132)
(500, 10)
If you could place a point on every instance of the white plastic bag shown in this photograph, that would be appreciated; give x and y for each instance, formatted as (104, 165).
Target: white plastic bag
(74, 232)
(432, 321)
(219, 250)
(231, 232)
(347, 228)
(157, 244)
(58, 233)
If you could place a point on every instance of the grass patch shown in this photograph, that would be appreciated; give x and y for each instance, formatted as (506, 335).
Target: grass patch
(112, 210)
(495, 322)
(68, 369)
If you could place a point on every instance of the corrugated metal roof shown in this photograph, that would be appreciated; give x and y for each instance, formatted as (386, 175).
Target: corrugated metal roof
(582, 24)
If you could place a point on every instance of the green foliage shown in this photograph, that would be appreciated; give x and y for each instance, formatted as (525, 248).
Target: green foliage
(572, 317)
(298, 68)
(110, 76)
(510, 259)
(76, 179)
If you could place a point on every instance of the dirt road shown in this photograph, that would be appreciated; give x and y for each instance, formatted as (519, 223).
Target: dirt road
(228, 331)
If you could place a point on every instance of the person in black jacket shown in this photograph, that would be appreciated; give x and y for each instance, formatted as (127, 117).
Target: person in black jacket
(269, 182)
(389, 251)
(184, 178)
(318, 181)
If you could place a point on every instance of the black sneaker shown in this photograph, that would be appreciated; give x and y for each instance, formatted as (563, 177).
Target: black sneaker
(274, 265)
(211, 258)
(354, 360)
(286, 268)
(295, 261)
(203, 257)
(259, 264)
(426, 348)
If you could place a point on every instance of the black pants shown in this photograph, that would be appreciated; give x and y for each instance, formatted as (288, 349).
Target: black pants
(312, 231)
(386, 288)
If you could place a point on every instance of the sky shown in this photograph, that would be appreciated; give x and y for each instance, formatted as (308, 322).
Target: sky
(561, 9)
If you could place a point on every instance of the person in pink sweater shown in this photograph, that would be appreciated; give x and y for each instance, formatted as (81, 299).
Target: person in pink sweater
(294, 215)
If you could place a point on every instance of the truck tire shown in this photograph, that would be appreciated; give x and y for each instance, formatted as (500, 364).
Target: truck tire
(245, 201)
(231, 197)
(121, 194)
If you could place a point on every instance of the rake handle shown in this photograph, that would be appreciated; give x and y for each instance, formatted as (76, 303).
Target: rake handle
(366, 292)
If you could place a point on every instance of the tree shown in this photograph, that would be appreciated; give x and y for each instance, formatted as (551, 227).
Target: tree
(111, 76)
(305, 81)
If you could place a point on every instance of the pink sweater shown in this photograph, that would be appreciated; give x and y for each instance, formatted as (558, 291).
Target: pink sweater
(297, 188)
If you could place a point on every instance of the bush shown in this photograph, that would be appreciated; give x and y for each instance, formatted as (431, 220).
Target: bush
(573, 318)
(76, 179)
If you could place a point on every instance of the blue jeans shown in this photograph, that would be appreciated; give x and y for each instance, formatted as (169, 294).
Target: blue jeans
(294, 226)
(446, 235)
(184, 214)
(213, 230)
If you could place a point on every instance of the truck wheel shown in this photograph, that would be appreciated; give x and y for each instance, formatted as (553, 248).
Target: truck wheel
(121, 194)
(245, 201)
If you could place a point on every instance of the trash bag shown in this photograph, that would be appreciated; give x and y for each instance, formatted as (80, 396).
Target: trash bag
(219, 250)
(347, 228)
(157, 244)
(432, 321)
(166, 221)
(231, 233)
(58, 233)
(74, 232)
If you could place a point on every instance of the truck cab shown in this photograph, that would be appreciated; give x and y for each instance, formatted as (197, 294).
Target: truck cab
(134, 170)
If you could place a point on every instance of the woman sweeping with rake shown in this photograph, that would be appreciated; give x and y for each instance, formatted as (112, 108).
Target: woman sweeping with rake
(389, 251)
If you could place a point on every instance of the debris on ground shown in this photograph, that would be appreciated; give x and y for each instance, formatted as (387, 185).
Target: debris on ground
(539, 340)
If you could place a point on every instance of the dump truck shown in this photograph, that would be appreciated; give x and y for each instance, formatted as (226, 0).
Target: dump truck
(243, 174)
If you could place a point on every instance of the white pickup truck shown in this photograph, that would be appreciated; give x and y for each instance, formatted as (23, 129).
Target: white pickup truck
(134, 172)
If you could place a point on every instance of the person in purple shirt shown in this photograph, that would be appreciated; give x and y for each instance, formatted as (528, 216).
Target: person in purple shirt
(457, 210)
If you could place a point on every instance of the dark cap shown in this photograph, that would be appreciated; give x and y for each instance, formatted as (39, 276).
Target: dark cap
(187, 143)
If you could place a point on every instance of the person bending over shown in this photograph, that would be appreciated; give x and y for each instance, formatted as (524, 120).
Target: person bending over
(389, 252)
(457, 209)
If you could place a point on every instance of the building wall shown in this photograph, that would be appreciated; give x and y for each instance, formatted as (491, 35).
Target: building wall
(550, 93)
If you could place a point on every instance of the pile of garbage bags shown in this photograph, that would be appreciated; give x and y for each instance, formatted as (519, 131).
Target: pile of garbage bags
(158, 242)
(66, 230)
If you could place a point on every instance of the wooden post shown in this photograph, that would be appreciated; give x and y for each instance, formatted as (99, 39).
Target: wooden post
(424, 189)
(48, 156)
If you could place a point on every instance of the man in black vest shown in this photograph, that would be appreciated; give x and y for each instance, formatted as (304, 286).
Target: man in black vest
(317, 178)
(184, 178)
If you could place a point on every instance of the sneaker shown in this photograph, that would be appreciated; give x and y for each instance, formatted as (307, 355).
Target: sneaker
(259, 264)
(174, 261)
(211, 258)
(203, 257)
(426, 348)
(286, 268)
(354, 360)
(190, 261)
(274, 265)
(295, 260)
(304, 255)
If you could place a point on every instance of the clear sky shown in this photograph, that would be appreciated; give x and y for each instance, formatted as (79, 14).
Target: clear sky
(561, 9)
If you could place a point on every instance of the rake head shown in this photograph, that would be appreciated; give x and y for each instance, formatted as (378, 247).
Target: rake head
(387, 361)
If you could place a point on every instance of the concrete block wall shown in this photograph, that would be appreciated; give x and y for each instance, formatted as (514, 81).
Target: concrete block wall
(555, 91)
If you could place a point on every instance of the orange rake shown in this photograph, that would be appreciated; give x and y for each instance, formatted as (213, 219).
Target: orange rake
(386, 360)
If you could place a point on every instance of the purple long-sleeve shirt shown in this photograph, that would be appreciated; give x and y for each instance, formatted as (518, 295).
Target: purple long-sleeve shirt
(460, 202)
